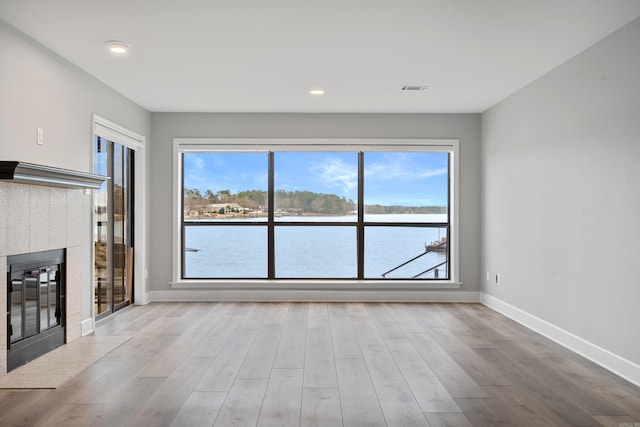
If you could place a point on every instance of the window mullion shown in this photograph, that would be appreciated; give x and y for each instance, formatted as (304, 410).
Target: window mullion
(183, 229)
(360, 208)
(448, 228)
(271, 246)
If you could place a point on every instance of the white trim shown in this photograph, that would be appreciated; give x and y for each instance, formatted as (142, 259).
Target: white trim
(181, 145)
(603, 357)
(298, 295)
(338, 285)
(312, 144)
(454, 219)
(316, 285)
(176, 258)
(144, 299)
(139, 228)
(88, 326)
(116, 133)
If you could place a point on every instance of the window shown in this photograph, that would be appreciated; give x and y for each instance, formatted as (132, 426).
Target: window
(258, 209)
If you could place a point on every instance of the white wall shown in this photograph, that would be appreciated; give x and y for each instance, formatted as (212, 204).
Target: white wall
(166, 126)
(39, 89)
(561, 196)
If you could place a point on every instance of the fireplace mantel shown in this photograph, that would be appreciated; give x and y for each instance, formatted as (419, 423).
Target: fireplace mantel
(29, 173)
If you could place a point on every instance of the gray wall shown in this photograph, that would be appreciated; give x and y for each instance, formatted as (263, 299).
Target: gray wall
(166, 126)
(39, 89)
(561, 195)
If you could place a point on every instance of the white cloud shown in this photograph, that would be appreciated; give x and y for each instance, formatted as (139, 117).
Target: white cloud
(401, 169)
(335, 173)
(194, 162)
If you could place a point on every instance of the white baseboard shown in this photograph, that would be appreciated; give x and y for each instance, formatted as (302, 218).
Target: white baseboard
(143, 299)
(87, 326)
(608, 360)
(291, 295)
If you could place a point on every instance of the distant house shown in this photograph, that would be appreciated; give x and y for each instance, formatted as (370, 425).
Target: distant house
(228, 207)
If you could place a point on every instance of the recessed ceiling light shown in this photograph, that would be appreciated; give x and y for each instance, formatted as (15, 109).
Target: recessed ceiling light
(316, 92)
(117, 46)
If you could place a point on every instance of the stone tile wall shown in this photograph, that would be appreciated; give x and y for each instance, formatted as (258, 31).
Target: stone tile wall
(36, 218)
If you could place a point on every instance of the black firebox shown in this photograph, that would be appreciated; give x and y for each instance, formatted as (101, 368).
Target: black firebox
(35, 305)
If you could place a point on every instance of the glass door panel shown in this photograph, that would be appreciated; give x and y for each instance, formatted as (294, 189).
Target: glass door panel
(119, 225)
(16, 310)
(52, 289)
(113, 228)
(44, 300)
(102, 229)
(31, 289)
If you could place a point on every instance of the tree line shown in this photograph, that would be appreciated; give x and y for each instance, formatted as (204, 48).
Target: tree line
(291, 201)
(298, 202)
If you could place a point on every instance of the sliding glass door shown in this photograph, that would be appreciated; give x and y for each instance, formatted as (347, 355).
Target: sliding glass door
(113, 227)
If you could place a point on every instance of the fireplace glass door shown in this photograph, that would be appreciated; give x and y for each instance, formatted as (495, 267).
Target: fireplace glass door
(34, 302)
(35, 305)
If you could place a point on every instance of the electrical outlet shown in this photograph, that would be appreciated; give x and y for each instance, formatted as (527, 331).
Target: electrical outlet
(498, 279)
(488, 276)
(40, 136)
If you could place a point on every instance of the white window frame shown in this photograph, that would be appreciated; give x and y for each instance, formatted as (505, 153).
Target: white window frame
(185, 145)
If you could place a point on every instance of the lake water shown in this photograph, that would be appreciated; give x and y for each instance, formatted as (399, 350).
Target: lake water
(240, 251)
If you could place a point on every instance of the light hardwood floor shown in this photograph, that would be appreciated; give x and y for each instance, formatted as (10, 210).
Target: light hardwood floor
(328, 364)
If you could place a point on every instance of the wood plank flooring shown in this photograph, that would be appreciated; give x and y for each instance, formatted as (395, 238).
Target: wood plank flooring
(328, 364)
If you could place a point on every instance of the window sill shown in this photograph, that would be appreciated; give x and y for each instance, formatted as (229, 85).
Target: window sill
(341, 285)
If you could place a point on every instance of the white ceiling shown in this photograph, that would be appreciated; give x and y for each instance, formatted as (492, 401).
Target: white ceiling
(265, 56)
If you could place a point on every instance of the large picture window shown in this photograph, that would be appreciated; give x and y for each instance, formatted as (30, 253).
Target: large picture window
(315, 211)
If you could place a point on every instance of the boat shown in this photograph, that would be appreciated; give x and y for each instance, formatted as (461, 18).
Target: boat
(436, 246)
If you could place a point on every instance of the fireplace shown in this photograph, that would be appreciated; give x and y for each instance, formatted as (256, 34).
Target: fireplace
(43, 244)
(35, 305)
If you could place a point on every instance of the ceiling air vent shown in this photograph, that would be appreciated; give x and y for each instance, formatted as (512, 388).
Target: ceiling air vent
(414, 88)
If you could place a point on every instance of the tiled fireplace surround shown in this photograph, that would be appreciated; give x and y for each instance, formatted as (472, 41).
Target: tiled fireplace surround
(37, 218)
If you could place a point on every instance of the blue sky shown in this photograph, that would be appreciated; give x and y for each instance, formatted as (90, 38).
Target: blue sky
(408, 179)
